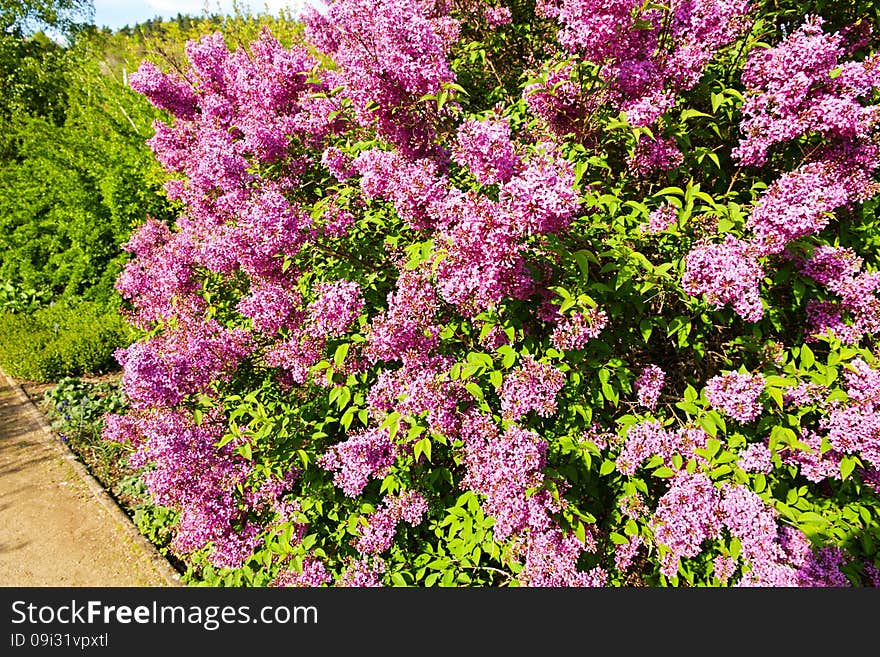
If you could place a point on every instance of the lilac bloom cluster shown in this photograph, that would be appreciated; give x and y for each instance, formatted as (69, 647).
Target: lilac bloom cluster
(661, 219)
(420, 387)
(756, 457)
(804, 394)
(649, 438)
(312, 575)
(364, 455)
(363, 573)
(854, 428)
(694, 511)
(183, 360)
(407, 327)
(502, 467)
(736, 394)
(647, 54)
(335, 309)
(533, 386)
(189, 474)
(801, 201)
(485, 148)
(388, 56)
(802, 87)
(625, 553)
(797, 564)
(378, 534)
(271, 306)
(575, 331)
(651, 156)
(813, 464)
(415, 187)
(497, 15)
(550, 560)
(792, 90)
(559, 101)
(648, 386)
(857, 312)
(728, 272)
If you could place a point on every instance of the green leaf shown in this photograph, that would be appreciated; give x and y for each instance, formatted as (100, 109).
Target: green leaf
(340, 354)
(664, 472)
(474, 388)
(607, 467)
(807, 357)
(847, 465)
(423, 446)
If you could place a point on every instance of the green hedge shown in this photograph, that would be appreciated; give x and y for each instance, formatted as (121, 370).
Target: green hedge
(61, 340)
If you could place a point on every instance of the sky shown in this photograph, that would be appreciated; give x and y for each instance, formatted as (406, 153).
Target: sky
(118, 13)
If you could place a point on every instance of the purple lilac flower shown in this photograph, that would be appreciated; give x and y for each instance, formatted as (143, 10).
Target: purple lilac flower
(368, 453)
(724, 273)
(756, 457)
(313, 574)
(573, 332)
(736, 394)
(648, 386)
(378, 534)
(533, 386)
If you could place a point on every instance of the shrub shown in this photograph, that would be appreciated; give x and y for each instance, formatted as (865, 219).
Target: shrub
(61, 340)
(515, 294)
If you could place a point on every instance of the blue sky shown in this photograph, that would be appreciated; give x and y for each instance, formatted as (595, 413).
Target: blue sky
(118, 13)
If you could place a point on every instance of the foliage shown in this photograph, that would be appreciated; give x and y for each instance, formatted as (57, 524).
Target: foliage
(543, 293)
(61, 340)
(75, 171)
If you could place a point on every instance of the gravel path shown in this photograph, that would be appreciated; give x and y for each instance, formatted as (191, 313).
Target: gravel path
(58, 527)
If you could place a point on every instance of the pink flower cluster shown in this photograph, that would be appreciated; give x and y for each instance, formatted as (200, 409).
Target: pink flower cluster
(647, 54)
(649, 385)
(802, 86)
(420, 387)
(649, 438)
(576, 330)
(503, 468)
(559, 100)
(533, 386)
(736, 394)
(756, 457)
(415, 186)
(857, 313)
(379, 533)
(183, 360)
(801, 201)
(363, 573)
(661, 219)
(855, 427)
(388, 57)
(407, 327)
(189, 474)
(724, 273)
(797, 89)
(694, 511)
(312, 575)
(364, 455)
(651, 156)
(485, 148)
(334, 310)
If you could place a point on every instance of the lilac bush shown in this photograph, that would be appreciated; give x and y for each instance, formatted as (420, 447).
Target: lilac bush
(474, 293)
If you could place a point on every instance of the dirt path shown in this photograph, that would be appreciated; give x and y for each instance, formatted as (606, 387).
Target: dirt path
(58, 527)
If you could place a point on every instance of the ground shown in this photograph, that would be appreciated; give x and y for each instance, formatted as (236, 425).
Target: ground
(58, 527)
